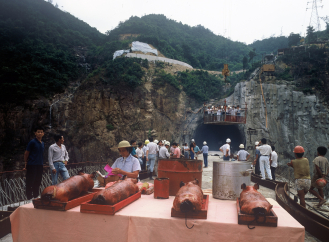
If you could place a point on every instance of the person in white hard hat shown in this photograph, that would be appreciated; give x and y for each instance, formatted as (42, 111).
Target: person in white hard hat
(126, 164)
(226, 149)
(256, 160)
(144, 152)
(163, 153)
(205, 150)
(242, 155)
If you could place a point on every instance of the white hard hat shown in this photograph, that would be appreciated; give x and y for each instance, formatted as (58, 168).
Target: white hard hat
(228, 140)
(167, 143)
(204, 142)
(256, 143)
(156, 141)
(241, 146)
(192, 140)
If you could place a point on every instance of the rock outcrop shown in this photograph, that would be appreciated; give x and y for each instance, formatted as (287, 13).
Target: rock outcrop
(93, 120)
(293, 118)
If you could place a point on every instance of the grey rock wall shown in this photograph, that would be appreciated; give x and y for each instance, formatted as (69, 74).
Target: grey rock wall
(293, 118)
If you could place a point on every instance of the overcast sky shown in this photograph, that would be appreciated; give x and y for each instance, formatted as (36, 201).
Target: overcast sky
(240, 20)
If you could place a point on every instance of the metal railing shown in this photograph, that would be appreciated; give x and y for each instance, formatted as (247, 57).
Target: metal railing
(213, 118)
(13, 183)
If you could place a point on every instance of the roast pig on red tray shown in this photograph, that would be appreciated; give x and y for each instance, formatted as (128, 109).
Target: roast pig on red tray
(67, 194)
(190, 202)
(113, 198)
(254, 209)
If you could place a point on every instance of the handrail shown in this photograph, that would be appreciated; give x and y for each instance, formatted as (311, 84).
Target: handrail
(69, 164)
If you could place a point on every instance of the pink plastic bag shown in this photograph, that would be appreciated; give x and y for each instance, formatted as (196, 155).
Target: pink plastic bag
(109, 170)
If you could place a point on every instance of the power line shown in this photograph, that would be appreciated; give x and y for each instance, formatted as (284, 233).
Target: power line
(314, 20)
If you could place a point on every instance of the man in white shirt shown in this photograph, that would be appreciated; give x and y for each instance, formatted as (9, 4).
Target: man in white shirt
(242, 155)
(151, 152)
(139, 153)
(144, 152)
(265, 152)
(226, 149)
(219, 113)
(274, 162)
(57, 158)
(163, 153)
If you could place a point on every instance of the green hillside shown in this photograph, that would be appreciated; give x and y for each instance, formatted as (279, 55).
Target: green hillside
(268, 46)
(197, 46)
(39, 42)
(36, 48)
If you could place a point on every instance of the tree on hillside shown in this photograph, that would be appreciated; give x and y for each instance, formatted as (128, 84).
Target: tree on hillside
(293, 39)
(311, 36)
(252, 54)
(244, 62)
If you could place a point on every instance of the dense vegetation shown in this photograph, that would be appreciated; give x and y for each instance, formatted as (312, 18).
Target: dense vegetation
(36, 48)
(268, 46)
(309, 68)
(197, 45)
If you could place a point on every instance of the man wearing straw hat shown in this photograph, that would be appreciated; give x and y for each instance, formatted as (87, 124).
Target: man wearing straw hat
(126, 164)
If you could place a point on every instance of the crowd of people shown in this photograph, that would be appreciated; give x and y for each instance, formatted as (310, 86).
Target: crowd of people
(137, 157)
(266, 160)
(223, 113)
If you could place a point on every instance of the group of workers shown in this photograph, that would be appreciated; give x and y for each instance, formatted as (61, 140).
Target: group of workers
(266, 159)
(223, 113)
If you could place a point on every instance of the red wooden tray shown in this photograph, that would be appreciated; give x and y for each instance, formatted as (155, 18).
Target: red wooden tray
(86, 207)
(62, 206)
(271, 220)
(202, 214)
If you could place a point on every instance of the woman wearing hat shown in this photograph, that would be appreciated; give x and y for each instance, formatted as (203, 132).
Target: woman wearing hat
(126, 164)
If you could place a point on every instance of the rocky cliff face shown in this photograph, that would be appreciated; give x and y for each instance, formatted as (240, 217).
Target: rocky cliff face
(93, 120)
(293, 118)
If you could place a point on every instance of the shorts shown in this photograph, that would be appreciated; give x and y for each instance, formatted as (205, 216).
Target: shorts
(303, 184)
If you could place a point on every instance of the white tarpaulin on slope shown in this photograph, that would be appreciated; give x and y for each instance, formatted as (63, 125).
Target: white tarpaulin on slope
(143, 47)
(119, 53)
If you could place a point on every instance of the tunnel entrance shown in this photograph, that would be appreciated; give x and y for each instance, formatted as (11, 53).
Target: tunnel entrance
(216, 135)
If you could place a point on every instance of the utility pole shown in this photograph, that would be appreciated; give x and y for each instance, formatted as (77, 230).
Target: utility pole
(314, 20)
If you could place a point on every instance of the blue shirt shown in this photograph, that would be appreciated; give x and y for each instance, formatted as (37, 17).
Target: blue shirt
(133, 151)
(196, 149)
(36, 149)
(130, 164)
(257, 153)
(205, 149)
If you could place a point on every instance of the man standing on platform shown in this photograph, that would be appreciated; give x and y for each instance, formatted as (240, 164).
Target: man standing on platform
(226, 149)
(33, 158)
(57, 158)
(256, 161)
(264, 161)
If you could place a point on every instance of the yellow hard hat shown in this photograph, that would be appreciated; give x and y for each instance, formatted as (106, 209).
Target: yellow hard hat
(147, 141)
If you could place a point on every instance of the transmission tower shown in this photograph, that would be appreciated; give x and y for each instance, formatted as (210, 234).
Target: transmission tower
(314, 21)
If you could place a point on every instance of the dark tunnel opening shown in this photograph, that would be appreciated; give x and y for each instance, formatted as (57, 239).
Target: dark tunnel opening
(216, 135)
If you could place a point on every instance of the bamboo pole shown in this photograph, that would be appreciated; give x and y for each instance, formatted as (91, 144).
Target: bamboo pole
(261, 87)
